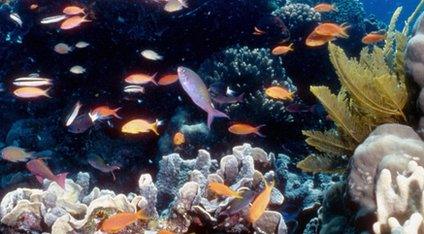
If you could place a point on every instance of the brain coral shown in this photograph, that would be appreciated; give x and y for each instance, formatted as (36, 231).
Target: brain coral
(249, 71)
(389, 148)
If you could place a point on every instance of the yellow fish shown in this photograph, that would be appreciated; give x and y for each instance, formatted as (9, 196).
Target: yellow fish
(279, 93)
(137, 126)
(223, 190)
(260, 203)
(119, 221)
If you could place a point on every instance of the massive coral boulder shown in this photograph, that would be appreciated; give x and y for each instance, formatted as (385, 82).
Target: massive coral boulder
(389, 147)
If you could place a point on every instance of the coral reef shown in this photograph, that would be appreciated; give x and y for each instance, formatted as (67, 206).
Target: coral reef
(373, 92)
(297, 15)
(250, 71)
(75, 209)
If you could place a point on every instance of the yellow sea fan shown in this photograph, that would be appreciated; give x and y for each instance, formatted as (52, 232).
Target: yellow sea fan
(329, 142)
(359, 79)
(338, 109)
(321, 163)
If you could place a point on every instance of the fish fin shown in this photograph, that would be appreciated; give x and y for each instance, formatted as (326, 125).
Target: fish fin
(116, 114)
(39, 179)
(291, 47)
(154, 127)
(60, 179)
(345, 27)
(140, 215)
(153, 79)
(183, 3)
(335, 9)
(46, 93)
(213, 113)
(240, 98)
(113, 175)
(257, 130)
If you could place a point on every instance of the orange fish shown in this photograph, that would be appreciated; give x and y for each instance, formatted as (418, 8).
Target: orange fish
(73, 10)
(31, 92)
(165, 232)
(245, 129)
(105, 112)
(120, 221)
(373, 37)
(325, 7)
(258, 32)
(137, 126)
(223, 190)
(168, 79)
(140, 78)
(281, 50)
(260, 203)
(73, 22)
(278, 92)
(179, 138)
(331, 29)
(314, 39)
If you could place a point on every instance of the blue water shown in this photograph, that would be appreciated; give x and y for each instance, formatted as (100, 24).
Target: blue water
(383, 9)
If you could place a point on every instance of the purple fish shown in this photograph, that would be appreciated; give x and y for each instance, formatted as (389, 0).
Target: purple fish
(81, 124)
(198, 92)
(224, 99)
(98, 163)
(41, 171)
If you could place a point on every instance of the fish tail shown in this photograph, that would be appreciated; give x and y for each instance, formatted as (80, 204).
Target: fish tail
(155, 127)
(153, 79)
(291, 46)
(115, 113)
(257, 130)
(240, 98)
(60, 179)
(345, 27)
(237, 195)
(213, 113)
(140, 215)
(46, 93)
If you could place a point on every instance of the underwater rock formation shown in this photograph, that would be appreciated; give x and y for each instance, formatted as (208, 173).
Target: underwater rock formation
(414, 61)
(75, 209)
(389, 147)
(250, 71)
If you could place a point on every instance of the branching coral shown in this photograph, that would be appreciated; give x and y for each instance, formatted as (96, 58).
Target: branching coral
(297, 14)
(373, 92)
(250, 71)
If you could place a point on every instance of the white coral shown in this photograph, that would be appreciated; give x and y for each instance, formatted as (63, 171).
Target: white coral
(399, 200)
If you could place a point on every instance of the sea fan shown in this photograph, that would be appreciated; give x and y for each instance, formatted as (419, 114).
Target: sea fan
(373, 92)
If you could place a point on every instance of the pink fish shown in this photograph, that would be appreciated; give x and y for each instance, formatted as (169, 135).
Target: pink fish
(198, 92)
(41, 171)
